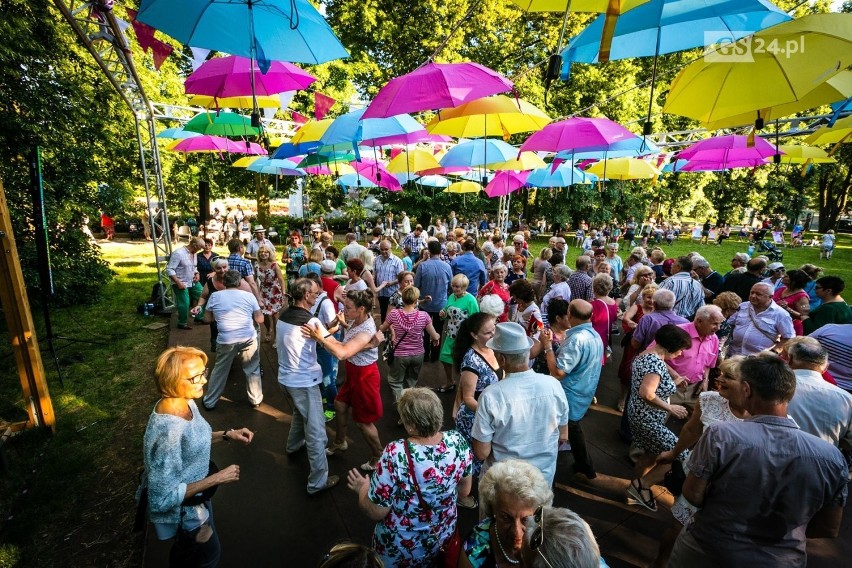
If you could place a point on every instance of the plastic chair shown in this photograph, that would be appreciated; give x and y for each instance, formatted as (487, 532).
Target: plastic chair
(184, 232)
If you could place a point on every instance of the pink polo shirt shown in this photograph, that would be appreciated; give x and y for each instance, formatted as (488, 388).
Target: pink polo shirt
(699, 357)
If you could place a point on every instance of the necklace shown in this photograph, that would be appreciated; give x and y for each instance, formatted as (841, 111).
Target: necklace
(503, 550)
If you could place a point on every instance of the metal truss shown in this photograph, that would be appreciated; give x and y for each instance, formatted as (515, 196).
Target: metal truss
(97, 28)
(183, 114)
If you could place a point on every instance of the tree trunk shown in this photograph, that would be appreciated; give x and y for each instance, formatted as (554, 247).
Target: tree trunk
(261, 190)
(832, 195)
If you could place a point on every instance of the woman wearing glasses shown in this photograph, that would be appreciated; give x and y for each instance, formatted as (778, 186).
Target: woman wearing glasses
(177, 460)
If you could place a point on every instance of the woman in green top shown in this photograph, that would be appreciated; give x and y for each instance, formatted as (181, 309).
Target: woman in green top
(833, 308)
(460, 305)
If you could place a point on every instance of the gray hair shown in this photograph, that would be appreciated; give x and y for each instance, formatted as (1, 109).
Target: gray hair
(770, 289)
(806, 351)
(492, 304)
(232, 279)
(517, 478)
(452, 245)
(602, 284)
(300, 288)
(421, 409)
(219, 262)
(567, 540)
(663, 299)
(515, 360)
(700, 262)
(563, 271)
(705, 311)
(743, 257)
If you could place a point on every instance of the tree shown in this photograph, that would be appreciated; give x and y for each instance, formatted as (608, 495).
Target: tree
(833, 185)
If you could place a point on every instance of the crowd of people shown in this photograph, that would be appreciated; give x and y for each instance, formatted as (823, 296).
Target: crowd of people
(717, 373)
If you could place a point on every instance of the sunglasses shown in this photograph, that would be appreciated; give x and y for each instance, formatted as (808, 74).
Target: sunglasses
(199, 377)
(538, 534)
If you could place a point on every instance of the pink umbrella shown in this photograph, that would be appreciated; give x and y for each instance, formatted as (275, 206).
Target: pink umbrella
(715, 166)
(506, 182)
(732, 148)
(377, 173)
(204, 143)
(434, 86)
(232, 77)
(249, 148)
(576, 133)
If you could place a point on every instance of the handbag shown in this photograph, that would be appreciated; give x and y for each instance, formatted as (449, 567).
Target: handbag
(390, 348)
(448, 554)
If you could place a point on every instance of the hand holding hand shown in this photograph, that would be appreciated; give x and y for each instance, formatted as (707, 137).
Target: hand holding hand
(547, 335)
(194, 311)
(426, 298)
(243, 435)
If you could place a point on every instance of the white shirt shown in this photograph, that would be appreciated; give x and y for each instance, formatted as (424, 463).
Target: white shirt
(406, 225)
(234, 310)
(297, 355)
(820, 408)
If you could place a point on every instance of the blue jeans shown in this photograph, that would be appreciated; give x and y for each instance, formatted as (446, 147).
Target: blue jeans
(308, 428)
(249, 356)
(328, 363)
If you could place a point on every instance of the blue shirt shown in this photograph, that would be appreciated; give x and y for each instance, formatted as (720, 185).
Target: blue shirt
(433, 279)
(473, 268)
(580, 357)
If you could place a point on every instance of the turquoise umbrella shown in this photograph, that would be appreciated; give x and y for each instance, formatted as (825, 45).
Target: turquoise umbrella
(222, 124)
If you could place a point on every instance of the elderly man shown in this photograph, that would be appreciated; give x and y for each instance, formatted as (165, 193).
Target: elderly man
(258, 240)
(711, 281)
(818, 407)
(689, 293)
(387, 268)
(182, 270)
(761, 485)
(741, 284)
(691, 371)
(739, 261)
(467, 264)
(235, 312)
(415, 242)
(578, 369)
(524, 416)
(353, 248)
(433, 278)
(559, 245)
(836, 338)
(300, 377)
(580, 283)
(759, 323)
(241, 265)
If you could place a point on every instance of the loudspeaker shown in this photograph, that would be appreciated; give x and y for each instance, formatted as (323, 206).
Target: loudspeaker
(203, 201)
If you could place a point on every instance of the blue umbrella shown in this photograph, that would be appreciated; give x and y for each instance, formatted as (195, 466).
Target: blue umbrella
(176, 133)
(629, 148)
(563, 176)
(666, 26)
(288, 150)
(272, 166)
(434, 181)
(354, 180)
(480, 152)
(350, 127)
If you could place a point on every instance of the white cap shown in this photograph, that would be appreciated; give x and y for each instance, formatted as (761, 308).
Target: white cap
(328, 266)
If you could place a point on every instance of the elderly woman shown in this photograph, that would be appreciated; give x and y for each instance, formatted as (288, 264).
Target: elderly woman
(216, 282)
(604, 310)
(643, 276)
(498, 287)
(648, 408)
(477, 368)
(526, 311)
(729, 303)
(359, 394)
(629, 323)
(413, 493)
(294, 256)
(509, 493)
(407, 325)
(271, 284)
(791, 296)
(176, 448)
(813, 273)
(354, 270)
(547, 280)
(559, 289)
(519, 269)
(405, 279)
(460, 306)
(559, 537)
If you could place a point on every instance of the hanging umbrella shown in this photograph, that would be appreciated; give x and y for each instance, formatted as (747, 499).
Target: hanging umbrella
(490, 116)
(630, 148)
(233, 76)
(720, 149)
(335, 168)
(576, 133)
(414, 160)
(177, 134)
(525, 161)
(270, 101)
(205, 143)
(326, 159)
(311, 131)
(221, 124)
(355, 180)
(352, 127)
(464, 187)
(434, 86)
(624, 169)
(813, 48)
(563, 176)
(720, 165)
(839, 133)
(377, 173)
(480, 152)
(434, 181)
(506, 182)
(801, 154)
(245, 161)
(290, 150)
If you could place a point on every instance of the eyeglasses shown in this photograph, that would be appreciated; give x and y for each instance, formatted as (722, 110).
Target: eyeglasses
(199, 377)
(538, 534)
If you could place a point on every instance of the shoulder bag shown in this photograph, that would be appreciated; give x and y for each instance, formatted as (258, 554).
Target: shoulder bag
(390, 348)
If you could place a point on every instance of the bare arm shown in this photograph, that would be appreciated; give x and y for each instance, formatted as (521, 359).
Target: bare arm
(694, 489)
(340, 350)
(689, 435)
(481, 449)
(647, 392)
(360, 485)
(258, 316)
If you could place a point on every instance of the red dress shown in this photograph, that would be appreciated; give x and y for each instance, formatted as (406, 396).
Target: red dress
(790, 301)
(625, 368)
(491, 287)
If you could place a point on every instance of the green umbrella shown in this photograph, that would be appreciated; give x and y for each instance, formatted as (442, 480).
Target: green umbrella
(325, 159)
(222, 124)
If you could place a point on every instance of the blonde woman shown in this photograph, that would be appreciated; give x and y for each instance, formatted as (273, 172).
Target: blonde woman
(270, 280)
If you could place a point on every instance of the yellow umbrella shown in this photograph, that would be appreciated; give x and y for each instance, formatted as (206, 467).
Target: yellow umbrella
(800, 154)
(776, 66)
(414, 160)
(311, 131)
(464, 187)
(489, 116)
(526, 161)
(245, 161)
(265, 101)
(624, 169)
(836, 88)
(839, 133)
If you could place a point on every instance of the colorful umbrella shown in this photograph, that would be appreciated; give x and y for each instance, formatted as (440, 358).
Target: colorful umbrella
(525, 161)
(480, 152)
(377, 173)
(801, 154)
(245, 161)
(807, 52)
(506, 182)
(434, 181)
(624, 169)
(311, 131)
(326, 159)
(490, 116)
(204, 101)
(563, 176)
(711, 165)
(176, 133)
(414, 160)
(217, 144)
(221, 124)
(464, 187)
(630, 148)
(839, 133)
(576, 134)
(436, 85)
(335, 168)
(352, 127)
(722, 149)
(233, 76)
(354, 180)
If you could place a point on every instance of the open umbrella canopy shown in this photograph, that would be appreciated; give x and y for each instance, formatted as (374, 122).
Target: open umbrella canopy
(806, 52)
(208, 143)
(599, 6)
(333, 169)
(259, 163)
(575, 134)
(506, 182)
(326, 159)
(311, 131)
(721, 149)
(711, 165)
(629, 148)
(414, 160)
(464, 187)
(222, 124)
(232, 76)
(436, 85)
(480, 152)
(246, 161)
(265, 30)
(624, 169)
(352, 127)
(801, 154)
(840, 132)
(666, 26)
(490, 116)
(176, 133)
(377, 173)
(564, 175)
(355, 180)
(268, 101)
(433, 181)
(290, 150)
(524, 161)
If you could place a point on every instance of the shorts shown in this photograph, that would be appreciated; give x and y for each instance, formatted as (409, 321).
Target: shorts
(360, 391)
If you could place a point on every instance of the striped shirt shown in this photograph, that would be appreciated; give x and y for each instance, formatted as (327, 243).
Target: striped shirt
(689, 293)
(183, 265)
(415, 243)
(836, 338)
(387, 271)
(408, 331)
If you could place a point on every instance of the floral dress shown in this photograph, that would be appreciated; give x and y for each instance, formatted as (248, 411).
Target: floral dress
(648, 423)
(457, 310)
(271, 294)
(297, 258)
(412, 532)
(485, 376)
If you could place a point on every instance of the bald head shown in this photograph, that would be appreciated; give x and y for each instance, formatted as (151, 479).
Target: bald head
(579, 311)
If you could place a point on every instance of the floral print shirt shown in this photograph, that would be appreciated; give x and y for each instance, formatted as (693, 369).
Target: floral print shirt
(412, 532)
